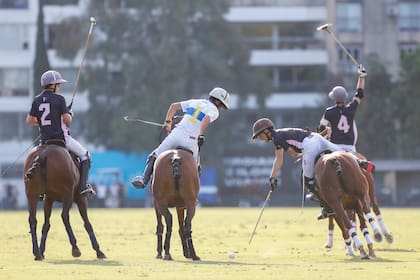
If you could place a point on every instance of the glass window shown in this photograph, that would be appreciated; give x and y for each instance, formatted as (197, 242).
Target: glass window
(14, 126)
(61, 2)
(409, 48)
(14, 37)
(13, 4)
(349, 17)
(69, 74)
(409, 16)
(344, 60)
(14, 82)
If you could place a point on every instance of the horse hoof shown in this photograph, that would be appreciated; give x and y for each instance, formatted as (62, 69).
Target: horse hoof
(377, 236)
(328, 246)
(196, 258)
(167, 258)
(364, 257)
(39, 258)
(159, 256)
(389, 238)
(75, 252)
(100, 255)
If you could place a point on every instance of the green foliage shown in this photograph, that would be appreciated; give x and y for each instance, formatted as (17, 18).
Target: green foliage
(376, 114)
(158, 53)
(41, 63)
(70, 37)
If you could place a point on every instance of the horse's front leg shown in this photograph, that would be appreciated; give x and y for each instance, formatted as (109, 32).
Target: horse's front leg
(46, 227)
(82, 205)
(366, 209)
(32, 205)
(181, 216)
(65, 216)
(159, 233)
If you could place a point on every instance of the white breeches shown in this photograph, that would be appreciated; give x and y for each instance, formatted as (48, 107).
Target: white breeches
(76, 147)
(178, 137)
(311, 147)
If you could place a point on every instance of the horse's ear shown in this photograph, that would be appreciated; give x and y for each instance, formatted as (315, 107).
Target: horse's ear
(308, 129)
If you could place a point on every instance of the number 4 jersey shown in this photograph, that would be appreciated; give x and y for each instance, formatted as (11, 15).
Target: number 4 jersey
(341, 121)
(48, 107)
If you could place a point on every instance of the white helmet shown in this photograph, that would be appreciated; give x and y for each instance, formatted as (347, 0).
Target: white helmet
(222, 95)
(51, 77)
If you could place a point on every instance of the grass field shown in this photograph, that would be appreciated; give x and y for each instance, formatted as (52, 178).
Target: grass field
(289, 244)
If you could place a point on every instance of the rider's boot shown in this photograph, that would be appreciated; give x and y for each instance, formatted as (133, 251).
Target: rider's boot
(140, 182)
(85, 188)
(366, 165)
(310, 185)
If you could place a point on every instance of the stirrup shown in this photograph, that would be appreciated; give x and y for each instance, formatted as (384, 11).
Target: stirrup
(325, 214)
(138, 183)
(88, 191)
(312, 197)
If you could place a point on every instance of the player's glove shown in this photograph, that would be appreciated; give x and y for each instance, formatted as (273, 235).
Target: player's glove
(273, 183)
(200, 140)
(362, 71)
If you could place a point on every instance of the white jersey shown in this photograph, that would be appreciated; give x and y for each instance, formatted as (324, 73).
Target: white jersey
(187, 130)
(194, 112)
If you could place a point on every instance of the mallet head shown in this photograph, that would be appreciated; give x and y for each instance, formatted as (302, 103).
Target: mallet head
(323, 27)
(92, 20)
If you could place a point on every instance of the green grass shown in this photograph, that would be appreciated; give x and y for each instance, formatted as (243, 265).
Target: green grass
(289, 244)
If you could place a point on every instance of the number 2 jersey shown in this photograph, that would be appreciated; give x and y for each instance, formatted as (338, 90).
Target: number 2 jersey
(48, 107)
(341, 121)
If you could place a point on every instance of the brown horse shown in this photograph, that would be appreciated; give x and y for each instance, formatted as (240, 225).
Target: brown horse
(375, 207)
(50, 171)
(342, 185)
(175, 184)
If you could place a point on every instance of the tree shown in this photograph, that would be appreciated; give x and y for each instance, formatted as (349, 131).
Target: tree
(406, 114)
(41, 63)
(376, 114)
(156, 53)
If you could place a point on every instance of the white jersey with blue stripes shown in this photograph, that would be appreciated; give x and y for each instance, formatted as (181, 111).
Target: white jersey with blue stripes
(194, 112)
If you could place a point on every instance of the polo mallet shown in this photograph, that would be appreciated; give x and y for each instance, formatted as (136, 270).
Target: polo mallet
(24, 152)
(325, 27)
(126, 118)
(92, 24)
(259, 217)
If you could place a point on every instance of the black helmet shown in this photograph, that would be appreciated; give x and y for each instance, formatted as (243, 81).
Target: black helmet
(260, 125)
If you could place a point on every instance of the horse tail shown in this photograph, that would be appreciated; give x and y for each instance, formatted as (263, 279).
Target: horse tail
(43, 167)
(339, 170)
(176, 172)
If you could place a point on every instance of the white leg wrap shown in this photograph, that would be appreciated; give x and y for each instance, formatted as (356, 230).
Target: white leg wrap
(382, 224)
(372, 222)
(367, 236)
(330, 238)
(355, 238)
(349, 248)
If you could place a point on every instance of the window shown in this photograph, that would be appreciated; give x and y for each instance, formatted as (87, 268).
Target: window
(14, 127)
(69, 74)
(345, 62)
(13, 4)
(14, 82)
(61, 2)
(14, 37)
(409, 16)
(349, 17)
(407, 49)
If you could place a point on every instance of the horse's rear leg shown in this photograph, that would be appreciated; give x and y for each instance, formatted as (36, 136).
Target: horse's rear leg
(365, 231)
(65, 216)
(330, 237)
(82, 205)
(167, 245)
(188, 231)
(32, 205)
(46, 227)
(375, 207)
(159, 233)
(181, 216)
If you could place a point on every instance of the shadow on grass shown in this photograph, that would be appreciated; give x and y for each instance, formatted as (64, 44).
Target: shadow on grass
(86, 262)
